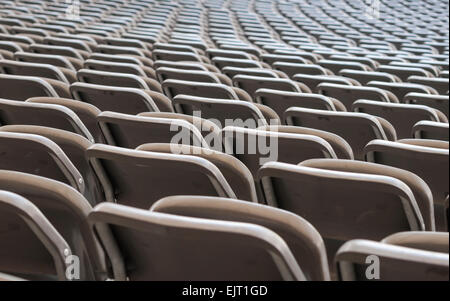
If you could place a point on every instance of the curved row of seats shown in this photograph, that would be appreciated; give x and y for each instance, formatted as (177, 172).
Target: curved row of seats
(224, 140)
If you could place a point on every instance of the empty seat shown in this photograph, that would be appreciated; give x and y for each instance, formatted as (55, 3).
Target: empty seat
(439, 84)
(280, 101)
(430, 130)
(67, 210)
(33, 247)
(400, 90)
(141, 178)
(353, 196)
(349, 94)
(303, 240)
(357, 129)
(40, 70)
(23, 87)
(439, 102)
(396, 263)
(55, 60)
(402, 116)
(426, 158)
(174, 87)
(252, 83)
(313, 81)
(42, 114)
(292, 69)
(429, 241)
(246, 252)
(115, 99)
(365, 77)
(165, 73)
(234, 171)
(130, 131)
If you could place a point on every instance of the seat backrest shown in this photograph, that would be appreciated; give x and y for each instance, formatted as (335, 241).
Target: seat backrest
(430, 130)
(130, 131)
(428, 241)
(438, 102)
(18, 87)
(396, 263)
(32, 247)
(111, 79)
(56, 50)
(349, 94)
(292, 69)
(115, 99)
(32, 69)
(357, 129)
(280, 101)
(226, 112)
(426, 158)
(234, 171)
(42, 114)
(67, 210)
(256, 147)
(365, 77)
(402, 116)
(165, 73)
(400, 90)
(40, 156)
(175, 56)
(119, 67)
(252, 83)
(174, 87)
(55, 60)
(342, 205)
(303, 240)
(246, 252)
(141, 178)
(341, 147)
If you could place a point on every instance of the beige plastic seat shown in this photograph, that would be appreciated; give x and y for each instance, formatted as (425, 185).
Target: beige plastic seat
(430, 130)
(120, 67)
(59, 50)
(403, 72)
(234, 171)
(174, 87)
(222, 110)
(19, 87)
(349, 94)
(74, 147)
(67, 211)
(303, 240)
(313, 81)
(42, 114)
(38, 155)
(64, 75)
(33, 248)
(292, 69)
(222, 62)
(252, 83)
(345, 199)
(256, 147)
(130, 131)
(342, 149)
(400, 90)
(396, 263)
(429, 241)
(233, 71)
(165, 73)
(118, 80)
(402, 116)
(55, 60)
(426, 158)
(246, 251)
(141, 178)
(364, 77)
(335, 66)
(280, 101)
(438, 102)
(123, 58)
(439, 84)
(176, 56)
(357, 129)
(86, 112)
(115, 99)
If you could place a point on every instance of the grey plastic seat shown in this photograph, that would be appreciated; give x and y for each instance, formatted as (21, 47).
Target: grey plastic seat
(430, 130)
(357, 129)
(400, 90)
(303, 240)
(438, 102)
(67, 211)
(234, 171)
(396, 263)
(246, 251)
(141, 178)
(64, 75)
(402, 116)
(426, 158)
(349, 194)
(18, 87)
(42, 114)
(33, 248)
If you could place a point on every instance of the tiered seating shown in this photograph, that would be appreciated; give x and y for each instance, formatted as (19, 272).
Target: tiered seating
(224, 139)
